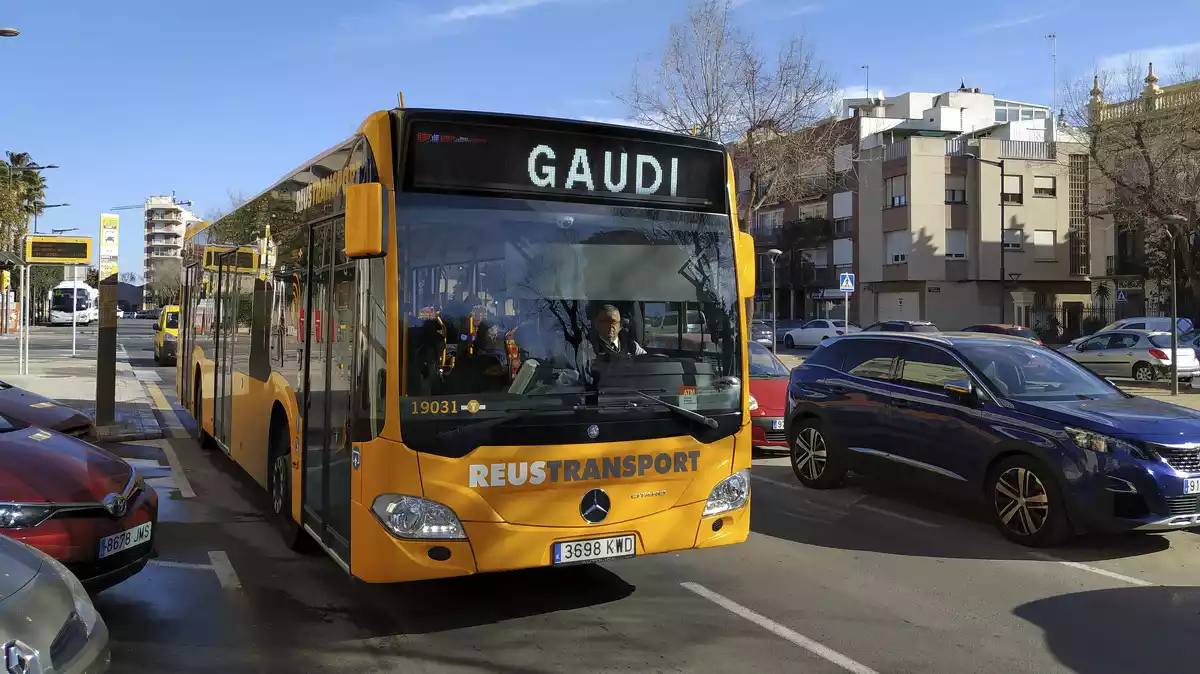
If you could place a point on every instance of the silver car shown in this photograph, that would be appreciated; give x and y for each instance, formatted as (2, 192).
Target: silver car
(1139, 354)
(47, 621)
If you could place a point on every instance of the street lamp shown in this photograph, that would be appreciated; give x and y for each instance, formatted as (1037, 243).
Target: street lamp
(31, 167)
(1000, 165)
(44, 207)
(1166, 222)
(9, 32)
(774, 254)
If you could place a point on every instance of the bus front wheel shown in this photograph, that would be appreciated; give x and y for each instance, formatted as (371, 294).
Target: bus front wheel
(280, 487)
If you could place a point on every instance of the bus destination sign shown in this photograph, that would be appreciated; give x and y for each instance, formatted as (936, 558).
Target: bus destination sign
(514, 161)
(58, 250)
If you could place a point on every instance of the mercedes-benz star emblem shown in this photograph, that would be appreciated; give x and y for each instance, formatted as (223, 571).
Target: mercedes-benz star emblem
(593, 431)
(594, 506)
(115, 504)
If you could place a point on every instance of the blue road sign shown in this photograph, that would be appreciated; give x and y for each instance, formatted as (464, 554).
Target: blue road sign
(1122, 296)
(846, 282)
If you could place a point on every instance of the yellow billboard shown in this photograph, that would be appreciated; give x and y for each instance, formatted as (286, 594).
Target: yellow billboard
(58, 250)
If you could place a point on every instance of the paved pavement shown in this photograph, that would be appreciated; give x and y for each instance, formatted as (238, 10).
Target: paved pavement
(875, 577)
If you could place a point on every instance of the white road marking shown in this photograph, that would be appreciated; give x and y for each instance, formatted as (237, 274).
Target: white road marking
(145, 375)
(906, 518)
(224, 569)
(181, 565)
(777, 483)
(1094, 569)
(181, 481)
(789, 634)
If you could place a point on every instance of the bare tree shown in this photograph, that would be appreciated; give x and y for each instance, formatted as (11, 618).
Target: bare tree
(714, 80)
(1143, 142)
(165, 280)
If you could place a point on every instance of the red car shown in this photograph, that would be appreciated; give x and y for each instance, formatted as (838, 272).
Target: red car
(25, 407)
(76, 502)
(768, 391)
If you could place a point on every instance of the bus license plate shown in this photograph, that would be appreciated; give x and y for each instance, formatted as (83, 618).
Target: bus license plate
(111, 545)
(596, 549)
(1192, 486)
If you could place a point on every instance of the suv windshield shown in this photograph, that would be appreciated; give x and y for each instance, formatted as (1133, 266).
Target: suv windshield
(1029, 372)
(509, 299)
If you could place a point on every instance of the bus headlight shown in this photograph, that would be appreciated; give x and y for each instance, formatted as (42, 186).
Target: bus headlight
(417, 518)
(730, 494)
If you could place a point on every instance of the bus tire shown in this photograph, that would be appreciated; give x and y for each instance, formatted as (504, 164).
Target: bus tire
(279, 487)
(202, 438)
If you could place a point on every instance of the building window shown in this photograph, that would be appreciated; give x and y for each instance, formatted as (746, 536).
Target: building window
(1044, 186)
(1011, 193)
(896, 245)
(843, 227)
(1043, 245)
(956, 189)
(895, 193)
(1012, 239)
(956, 244)
(769, 223)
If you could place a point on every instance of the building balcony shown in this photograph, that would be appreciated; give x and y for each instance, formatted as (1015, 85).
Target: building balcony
(164, 215)
(1121, 266)
(164, 230)
(161, 251)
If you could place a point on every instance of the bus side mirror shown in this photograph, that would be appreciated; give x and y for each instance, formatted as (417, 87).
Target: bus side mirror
(745, 268)
(368, 214)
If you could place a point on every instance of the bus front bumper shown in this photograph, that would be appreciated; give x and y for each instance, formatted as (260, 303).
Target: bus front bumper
(379, 557)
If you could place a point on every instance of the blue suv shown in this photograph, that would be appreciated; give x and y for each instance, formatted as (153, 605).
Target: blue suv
(1051, 447)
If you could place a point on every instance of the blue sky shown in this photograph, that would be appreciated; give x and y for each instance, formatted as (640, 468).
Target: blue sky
(143, 97)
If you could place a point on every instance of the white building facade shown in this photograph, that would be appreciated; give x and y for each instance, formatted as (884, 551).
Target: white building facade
(166, 221)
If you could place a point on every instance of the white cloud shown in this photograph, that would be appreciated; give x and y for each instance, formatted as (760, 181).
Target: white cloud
(487, 8)
(1164, 55)
(1011, 23)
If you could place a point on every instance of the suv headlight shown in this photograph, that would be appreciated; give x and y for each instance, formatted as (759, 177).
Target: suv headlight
(753, 403)
(417, 518)
(1102, 443)
(79, 596)
(730, 494)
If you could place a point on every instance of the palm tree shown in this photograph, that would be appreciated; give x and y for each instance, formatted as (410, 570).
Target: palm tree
(31, 192)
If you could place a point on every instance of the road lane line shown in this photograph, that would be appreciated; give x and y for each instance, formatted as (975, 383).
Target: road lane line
(1094, 569)
(777, 483)
(177, 474)
(181, 565)
(817, 649)
(170, 417)
(906, 518)
(224, 569)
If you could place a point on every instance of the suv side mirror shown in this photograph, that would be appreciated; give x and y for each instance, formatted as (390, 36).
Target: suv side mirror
(960, 390)
(1082, 346)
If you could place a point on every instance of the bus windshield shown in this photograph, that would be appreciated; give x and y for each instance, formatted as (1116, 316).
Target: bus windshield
(510, 300)
(60, 299)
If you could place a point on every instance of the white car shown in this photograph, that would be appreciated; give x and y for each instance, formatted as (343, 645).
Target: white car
(815, 331)
(1152, 323)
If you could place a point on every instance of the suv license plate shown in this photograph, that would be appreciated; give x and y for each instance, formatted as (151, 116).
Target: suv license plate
(594, 550)
(1192, 486)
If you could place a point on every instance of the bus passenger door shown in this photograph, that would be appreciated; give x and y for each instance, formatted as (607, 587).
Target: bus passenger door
(227, 301)
(313, 405)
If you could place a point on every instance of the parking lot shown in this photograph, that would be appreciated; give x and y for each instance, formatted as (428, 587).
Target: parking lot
(881, 576)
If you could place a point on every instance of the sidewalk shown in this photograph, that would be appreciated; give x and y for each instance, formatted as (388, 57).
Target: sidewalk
(73, 383)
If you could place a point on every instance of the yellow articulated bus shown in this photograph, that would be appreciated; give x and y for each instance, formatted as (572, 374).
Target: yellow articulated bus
(438, 345)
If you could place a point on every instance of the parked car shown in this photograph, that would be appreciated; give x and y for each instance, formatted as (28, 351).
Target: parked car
(32, 409)
(768, 388)
(902, 326)
(1004, 329)
(76, 502)
(761, 332)
(166, 335)
(817, 330)
(1142, 355)
(1050, 446)
(47, 620)
(1152, 323)
(120, 313)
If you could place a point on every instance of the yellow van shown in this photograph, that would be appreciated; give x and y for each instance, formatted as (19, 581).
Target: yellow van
(166, 334)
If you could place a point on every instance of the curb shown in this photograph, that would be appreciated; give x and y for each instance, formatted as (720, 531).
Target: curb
(119, 434)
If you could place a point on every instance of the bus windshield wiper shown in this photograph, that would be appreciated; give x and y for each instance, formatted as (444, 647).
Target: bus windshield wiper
(681, 411)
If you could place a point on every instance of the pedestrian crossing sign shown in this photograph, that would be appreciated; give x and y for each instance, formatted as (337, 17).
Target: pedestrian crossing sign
(846, 283)
(1122, 296)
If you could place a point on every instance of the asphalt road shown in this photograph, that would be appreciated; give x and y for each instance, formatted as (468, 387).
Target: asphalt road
(876, 577)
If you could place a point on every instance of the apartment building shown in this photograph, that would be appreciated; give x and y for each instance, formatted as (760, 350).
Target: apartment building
(166, 221)
(930, 244)
(1122, 249)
